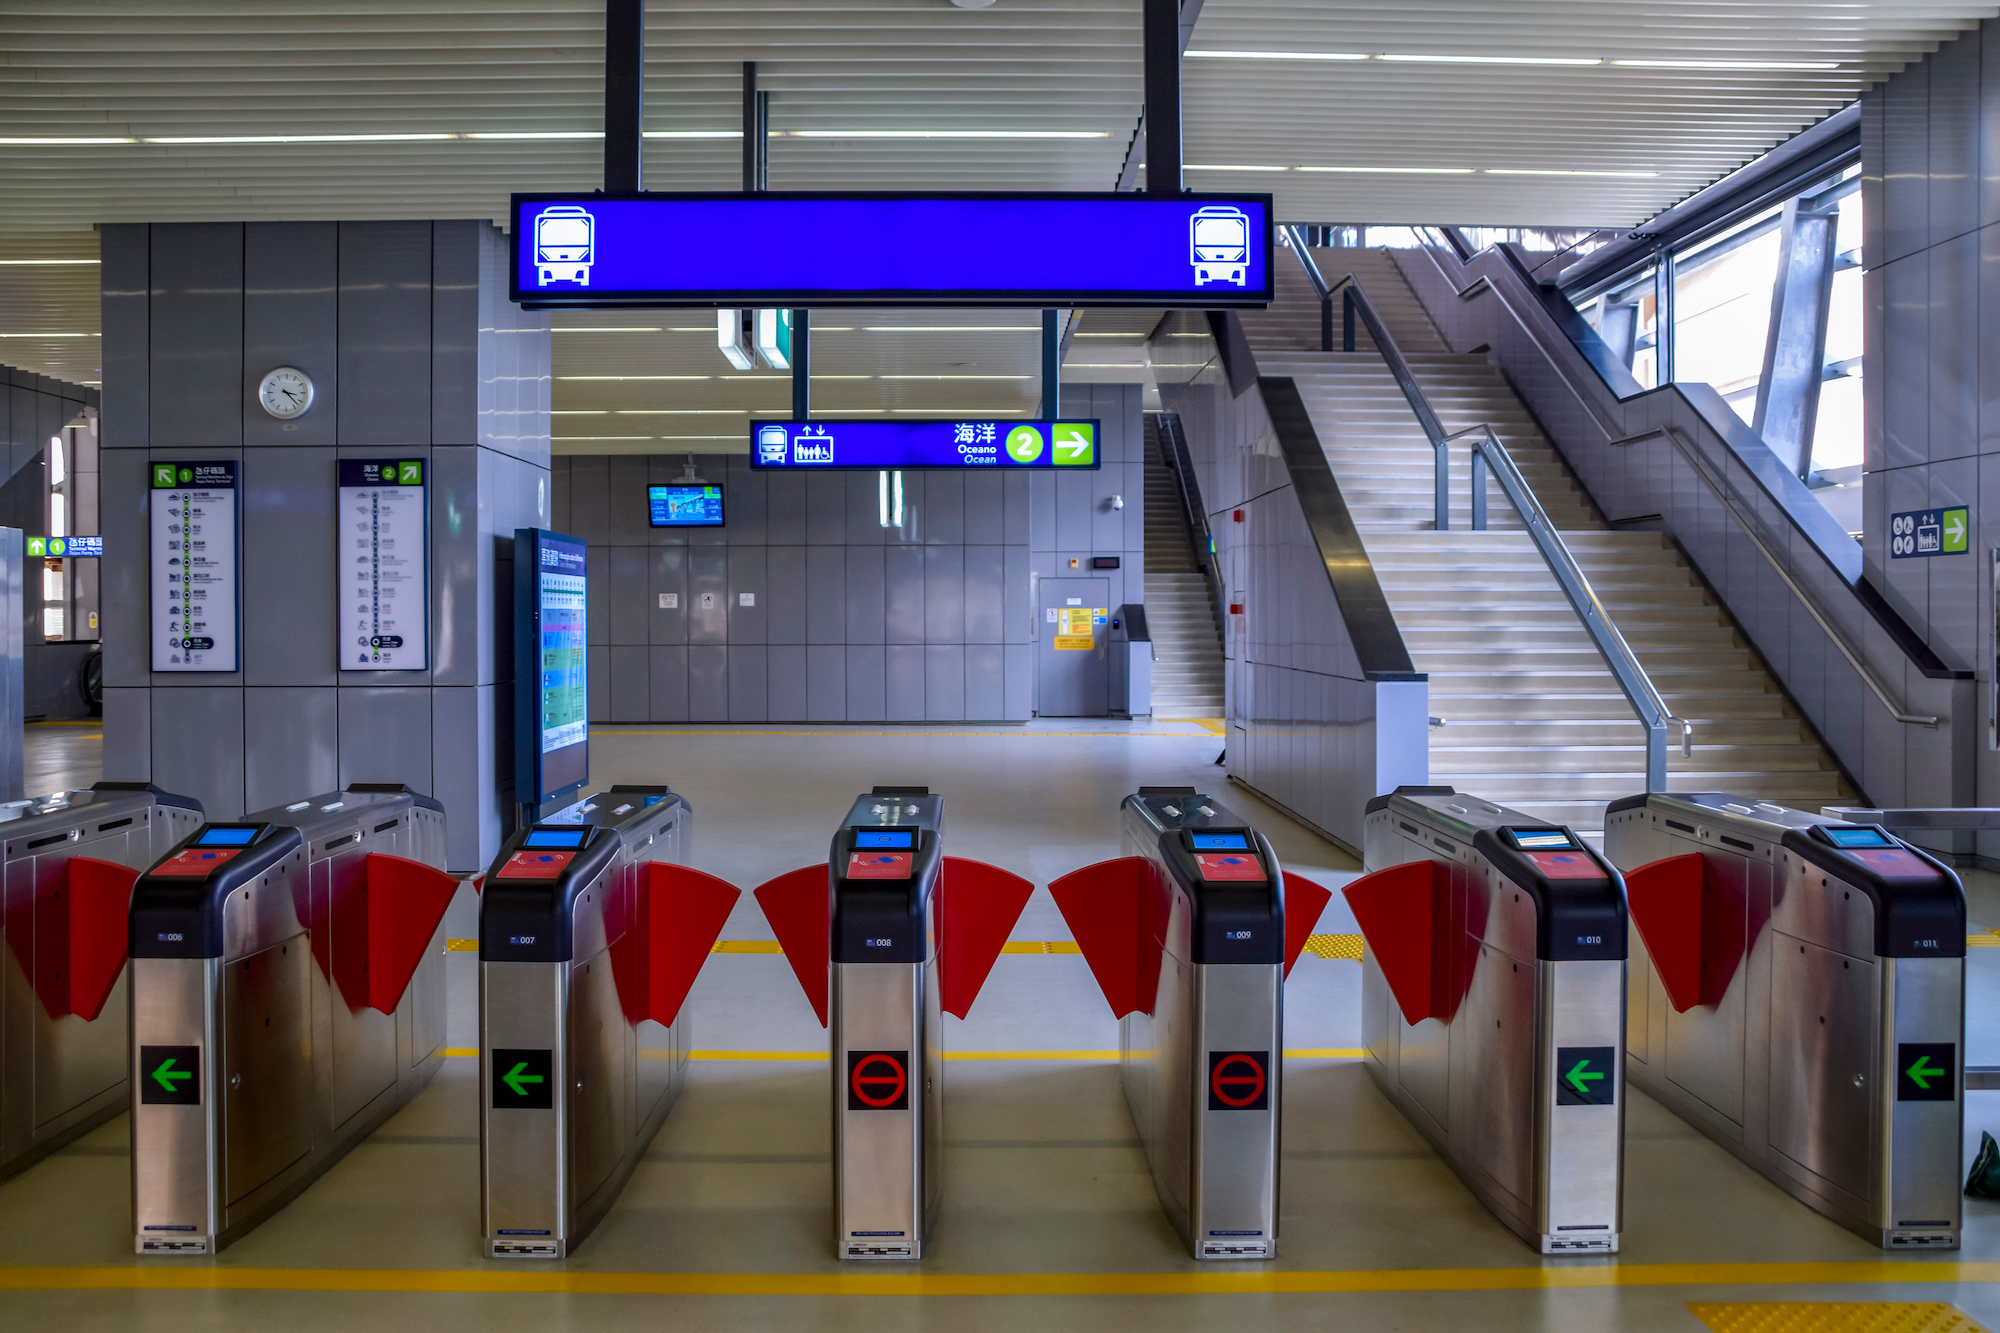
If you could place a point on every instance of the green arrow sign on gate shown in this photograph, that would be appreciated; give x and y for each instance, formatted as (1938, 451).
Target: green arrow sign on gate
(517, 1076)
(1583, 1075)
(166, 1075)
(1926, 1071)
(523, 1080)
(170, 1075)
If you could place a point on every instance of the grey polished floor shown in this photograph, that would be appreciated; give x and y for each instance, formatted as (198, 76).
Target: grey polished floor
(1050, 1221)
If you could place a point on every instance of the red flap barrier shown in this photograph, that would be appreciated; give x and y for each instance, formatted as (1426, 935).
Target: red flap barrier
(1118, 912)
(796, 904)
(681, 915)
(1405, 916)
(978, 906)
(405, 902)
(1304, 901)
(1692, 925)
(74, 946)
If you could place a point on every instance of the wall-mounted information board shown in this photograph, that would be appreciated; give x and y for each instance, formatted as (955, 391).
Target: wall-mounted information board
(776, 250)
(383, 565)
(194, 575)
(924, 444)
(551, 669)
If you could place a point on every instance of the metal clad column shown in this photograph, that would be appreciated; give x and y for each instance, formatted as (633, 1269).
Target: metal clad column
(1163, 96)
(624, 94)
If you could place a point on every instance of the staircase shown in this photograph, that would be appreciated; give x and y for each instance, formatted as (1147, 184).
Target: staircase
(1533, 717)
(1187, 642)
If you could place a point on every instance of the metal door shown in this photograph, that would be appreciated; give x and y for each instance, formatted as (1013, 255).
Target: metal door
(1072, 648)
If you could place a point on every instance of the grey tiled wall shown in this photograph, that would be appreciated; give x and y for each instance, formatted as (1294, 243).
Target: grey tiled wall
(1930, 151)
(414, 350)
(851, 621)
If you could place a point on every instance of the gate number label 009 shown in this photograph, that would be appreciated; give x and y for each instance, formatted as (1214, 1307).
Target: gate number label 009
(1239, 1080)
(523, 1080)
(878, 1080)
(1584, 1075)
(170, 1076)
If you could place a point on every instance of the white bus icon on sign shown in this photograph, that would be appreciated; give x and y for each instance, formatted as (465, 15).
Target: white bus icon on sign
(563, 245)
(771, 444)
(1219, 245)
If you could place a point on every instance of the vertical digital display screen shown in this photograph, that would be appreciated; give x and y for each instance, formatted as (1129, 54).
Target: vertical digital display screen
(684, 506)
(551, 665)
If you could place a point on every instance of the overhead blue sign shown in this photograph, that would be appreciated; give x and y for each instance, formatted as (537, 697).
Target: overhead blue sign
(831, 445)
(778, 250)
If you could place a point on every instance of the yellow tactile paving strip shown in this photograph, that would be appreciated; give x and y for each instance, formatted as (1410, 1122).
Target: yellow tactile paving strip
(509, 1280)
(1835, 1317)
(1320, 946)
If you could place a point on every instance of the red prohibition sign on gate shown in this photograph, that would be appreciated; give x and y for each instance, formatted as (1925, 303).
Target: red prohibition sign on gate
(877, 1080)
(1237, 1080)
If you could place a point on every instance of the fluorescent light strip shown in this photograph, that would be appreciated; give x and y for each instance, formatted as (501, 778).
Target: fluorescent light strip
(1400, 171)
(1527, 171)
(51, 335)
(1279, 55)
(1209, 166)
(51, 261)
(943, 134)
(943, 328)
(955, 377)
(1729, 64)
(680, 411)
(635, 377)
(603, 328)
(601, 437)
(59, 143)
(294, 138)
(1489, 60)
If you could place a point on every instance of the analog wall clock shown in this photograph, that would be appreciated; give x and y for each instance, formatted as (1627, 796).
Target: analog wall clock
(286, 392)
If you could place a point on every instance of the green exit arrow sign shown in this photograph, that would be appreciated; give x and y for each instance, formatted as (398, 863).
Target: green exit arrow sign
(1926, 1071)
(1584, 1075)
(523, 1080)
(170, 1075)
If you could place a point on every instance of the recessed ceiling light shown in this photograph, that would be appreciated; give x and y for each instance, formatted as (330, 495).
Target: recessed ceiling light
(1491, 60)
(1729, 64)
(1280, 55)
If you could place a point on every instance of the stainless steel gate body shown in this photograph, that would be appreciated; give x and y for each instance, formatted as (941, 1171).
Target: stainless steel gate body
(1822, 1036)
(886, 1024)
(1202, 1064)
(62, 1071)
(574, 1080)
(256, 1049)
(1493, 988)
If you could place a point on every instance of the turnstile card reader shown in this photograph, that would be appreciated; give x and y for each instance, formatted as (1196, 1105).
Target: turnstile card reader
(591, 931)
(69, 864)
(1801, 1000)
(886, 938)
(1493, 985)
(287, 996)
(1190, 934)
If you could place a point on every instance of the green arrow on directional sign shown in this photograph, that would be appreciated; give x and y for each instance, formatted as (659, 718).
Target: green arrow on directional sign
(166, 1075)
(1923, 1071)
(514, 1078)
(1580, 1080)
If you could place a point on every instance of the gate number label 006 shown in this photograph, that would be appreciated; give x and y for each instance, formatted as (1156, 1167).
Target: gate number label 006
(878, 1080)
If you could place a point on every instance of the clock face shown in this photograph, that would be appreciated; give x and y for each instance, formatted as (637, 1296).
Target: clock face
(286, 392)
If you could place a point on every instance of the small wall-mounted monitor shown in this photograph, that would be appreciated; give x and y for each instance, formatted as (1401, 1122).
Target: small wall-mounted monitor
(684, 506)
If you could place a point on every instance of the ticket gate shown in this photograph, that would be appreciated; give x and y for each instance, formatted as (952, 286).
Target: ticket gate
(1190, 934)
(287, 993)
(894, 934)
(70, 860)
(592, 928)
(1801, 1000)
(1493, 985)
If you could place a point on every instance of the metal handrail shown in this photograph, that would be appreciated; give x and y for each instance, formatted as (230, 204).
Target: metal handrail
(1174, 453)
(1722, 491)
(1637, 686)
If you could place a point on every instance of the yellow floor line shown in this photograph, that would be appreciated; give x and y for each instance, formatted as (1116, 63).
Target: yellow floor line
(746, 946)
(512, 1279)
(1985, 940)
(461, 946)
(1212, 725)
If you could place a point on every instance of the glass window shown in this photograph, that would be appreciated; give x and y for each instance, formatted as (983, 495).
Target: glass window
(1722, 309)
(1625, 316)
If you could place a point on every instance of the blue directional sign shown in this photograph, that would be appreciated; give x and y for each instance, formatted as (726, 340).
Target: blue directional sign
(781, 250)
(1929, 532)
(832, 445)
